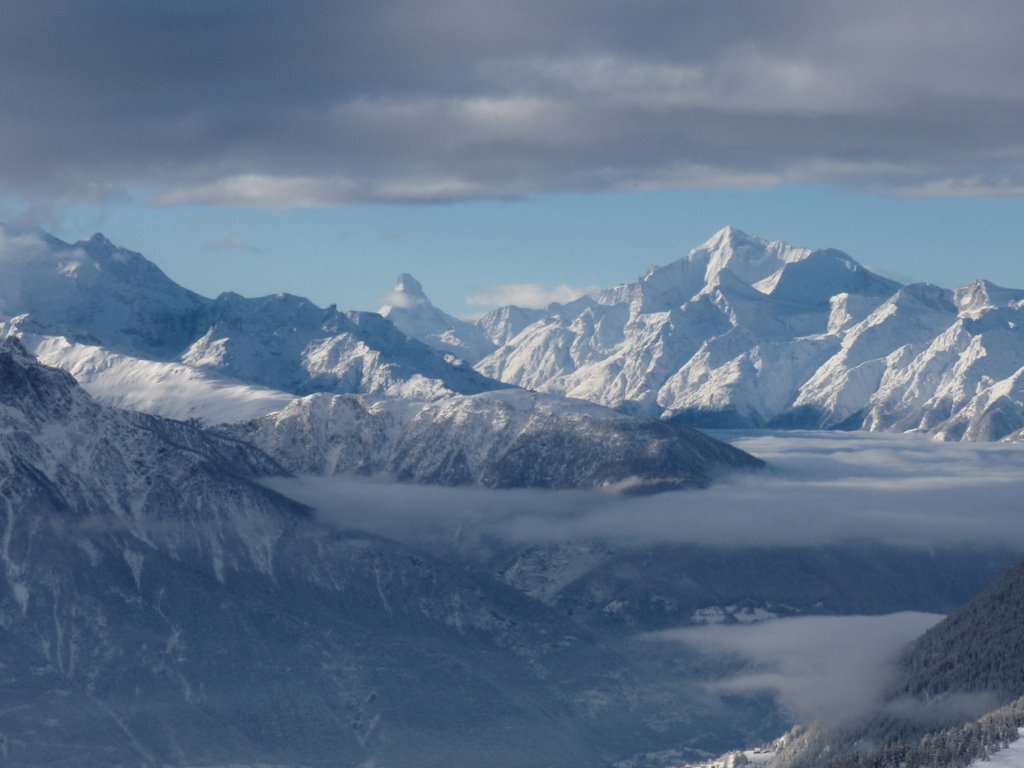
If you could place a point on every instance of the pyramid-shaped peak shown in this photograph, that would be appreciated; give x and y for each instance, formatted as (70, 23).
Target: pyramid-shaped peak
(410, 286)
(407, 294)
(101, 248)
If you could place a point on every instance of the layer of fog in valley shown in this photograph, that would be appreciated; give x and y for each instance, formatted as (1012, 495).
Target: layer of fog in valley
(802, 581)
(819, 488)
(830, 669)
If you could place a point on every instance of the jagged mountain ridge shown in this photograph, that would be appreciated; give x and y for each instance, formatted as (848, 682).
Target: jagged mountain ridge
(508, 439)
(106, 299)
(742, 332)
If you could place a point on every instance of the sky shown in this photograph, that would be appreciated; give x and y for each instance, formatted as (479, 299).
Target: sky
(321, 148)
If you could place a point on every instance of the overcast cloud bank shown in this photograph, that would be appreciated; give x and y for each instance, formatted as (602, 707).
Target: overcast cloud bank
(324, 103)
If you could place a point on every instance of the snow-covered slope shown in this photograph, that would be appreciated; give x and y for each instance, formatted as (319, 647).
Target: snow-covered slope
(169, 389)
(1010, 757)
(158, 608)
(744, 332)
(113, 301)
(509, 439)
(95, 292)
(59, 446)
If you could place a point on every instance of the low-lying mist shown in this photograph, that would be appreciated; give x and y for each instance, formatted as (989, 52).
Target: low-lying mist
(829, 669)
(819, 488)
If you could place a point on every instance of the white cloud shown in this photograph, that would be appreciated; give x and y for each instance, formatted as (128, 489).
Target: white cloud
(231, 242)
(262, 191)
(399, 299)
(253, 190)
(829, 669)
(528, 295)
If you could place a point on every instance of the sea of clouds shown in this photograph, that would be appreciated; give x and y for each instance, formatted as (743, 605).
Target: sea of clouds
(819, 488)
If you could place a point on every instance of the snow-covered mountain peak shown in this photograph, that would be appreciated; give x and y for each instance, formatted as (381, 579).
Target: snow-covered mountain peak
(98, 244)
(93, 290)
(727, 238)
(751, 258)
(407, 291)
(983, 294)
(408, 307)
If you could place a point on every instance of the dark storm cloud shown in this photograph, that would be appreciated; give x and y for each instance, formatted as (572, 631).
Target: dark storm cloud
(304, 103)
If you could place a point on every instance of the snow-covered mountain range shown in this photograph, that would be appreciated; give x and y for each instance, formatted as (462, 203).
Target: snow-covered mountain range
(747, 333)
(105, 313)
(158, 607)
(136, 340)
(739, 333)
(507, 439)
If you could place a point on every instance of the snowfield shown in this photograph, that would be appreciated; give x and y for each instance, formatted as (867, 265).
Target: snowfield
(1011, 757)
